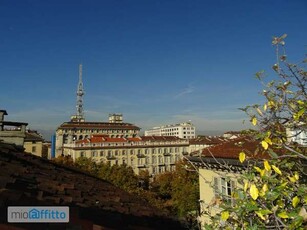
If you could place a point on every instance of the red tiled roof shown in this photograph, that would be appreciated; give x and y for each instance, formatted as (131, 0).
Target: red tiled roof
(208, 140)
(134, 139)
(160, 138)
(232, 148)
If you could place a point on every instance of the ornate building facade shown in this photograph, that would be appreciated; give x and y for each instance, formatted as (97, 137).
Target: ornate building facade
(73, 131)
(155, 154)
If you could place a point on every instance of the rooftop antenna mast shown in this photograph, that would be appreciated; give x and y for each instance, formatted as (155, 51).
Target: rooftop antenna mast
(80, 93)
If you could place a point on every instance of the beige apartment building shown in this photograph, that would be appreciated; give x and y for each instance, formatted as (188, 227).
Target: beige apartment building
(34, 144)
(156, 154)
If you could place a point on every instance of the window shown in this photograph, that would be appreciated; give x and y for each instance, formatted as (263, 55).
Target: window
(101, 153)
(33, 149)
(82, 154)
(154, 159)
(160, 159)
(94, 154)
(224, 187)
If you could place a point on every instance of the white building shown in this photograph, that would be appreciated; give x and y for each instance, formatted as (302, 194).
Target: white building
(184, 130)
(297, 135)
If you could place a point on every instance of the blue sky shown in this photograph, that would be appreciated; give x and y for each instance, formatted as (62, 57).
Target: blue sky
(155, 61)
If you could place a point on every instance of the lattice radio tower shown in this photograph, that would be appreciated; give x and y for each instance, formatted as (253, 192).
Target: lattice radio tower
(80, 93)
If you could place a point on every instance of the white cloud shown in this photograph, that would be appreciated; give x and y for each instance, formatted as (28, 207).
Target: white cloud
(188, 90)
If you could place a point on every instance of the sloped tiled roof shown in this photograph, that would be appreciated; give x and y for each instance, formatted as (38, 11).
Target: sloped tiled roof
(160, 138)
(33, 136)
(231, 149)
(207, 140)
(32, 181)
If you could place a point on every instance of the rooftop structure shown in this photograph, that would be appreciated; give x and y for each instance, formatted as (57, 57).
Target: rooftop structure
(12, 132)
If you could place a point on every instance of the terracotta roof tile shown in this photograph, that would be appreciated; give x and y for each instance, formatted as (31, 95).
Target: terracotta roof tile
(27, 180)
(232, 148)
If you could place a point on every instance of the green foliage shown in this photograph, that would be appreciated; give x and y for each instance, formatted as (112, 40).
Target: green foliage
(179, 189)
(273, 192)
(65, 160)
(86, 164)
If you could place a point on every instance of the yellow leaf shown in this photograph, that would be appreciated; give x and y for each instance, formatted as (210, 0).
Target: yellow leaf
(225, 215)
(283, 215)
(295, 201)
(300, 102)
(245, 186)
(260, 215)
(271, 104)
(292, 179)
(296, 176)
(263, 190)
(265, 107)
(277, 170)
(268, 140)
(267, 166)
(254, 121)
(259, 170)
(259, 111)
(254, 192)
(265, 145)
(242, 157)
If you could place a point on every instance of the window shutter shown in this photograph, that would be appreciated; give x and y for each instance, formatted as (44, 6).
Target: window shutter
(216, 186)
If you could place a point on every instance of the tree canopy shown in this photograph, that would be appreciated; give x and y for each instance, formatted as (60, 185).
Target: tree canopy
(272, 193)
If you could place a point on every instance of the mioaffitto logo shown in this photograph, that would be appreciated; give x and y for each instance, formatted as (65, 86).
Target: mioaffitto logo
(40, 214)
